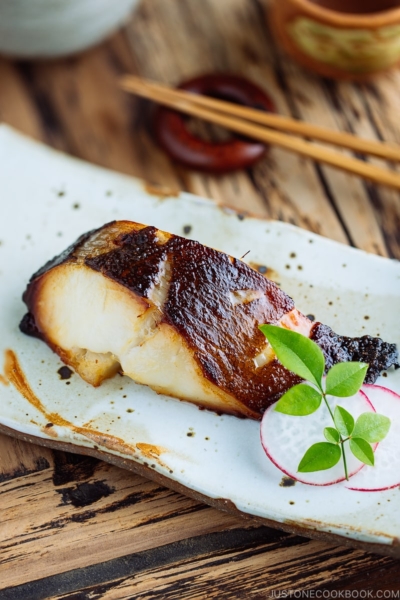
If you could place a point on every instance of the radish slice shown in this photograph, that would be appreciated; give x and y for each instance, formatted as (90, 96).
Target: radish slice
(285, 439)
(386, 472)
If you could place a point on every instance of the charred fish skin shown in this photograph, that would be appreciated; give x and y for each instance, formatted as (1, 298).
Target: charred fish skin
(201, 307)
(379, 355)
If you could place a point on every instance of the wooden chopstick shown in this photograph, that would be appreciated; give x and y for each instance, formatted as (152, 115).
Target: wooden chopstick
(183, 102)
(308, 130)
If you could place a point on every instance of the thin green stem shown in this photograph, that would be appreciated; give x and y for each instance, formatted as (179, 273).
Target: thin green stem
(328, 407)
(340, 436)
(344, 461)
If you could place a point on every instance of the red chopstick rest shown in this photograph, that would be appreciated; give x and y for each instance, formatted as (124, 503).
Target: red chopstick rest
(181, 145)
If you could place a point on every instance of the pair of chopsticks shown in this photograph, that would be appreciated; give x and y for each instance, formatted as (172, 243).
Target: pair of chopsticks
(269, 128)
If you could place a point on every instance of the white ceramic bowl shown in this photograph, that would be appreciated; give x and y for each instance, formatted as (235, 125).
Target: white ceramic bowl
(50, 28)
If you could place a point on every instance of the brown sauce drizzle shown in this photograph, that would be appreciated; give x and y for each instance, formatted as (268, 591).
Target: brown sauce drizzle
(264, 270)
(16, 377)
(149, 450)
(152, 452)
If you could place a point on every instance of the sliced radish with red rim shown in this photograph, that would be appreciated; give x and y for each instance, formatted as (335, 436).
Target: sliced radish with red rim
(285, 439)
(385, 474)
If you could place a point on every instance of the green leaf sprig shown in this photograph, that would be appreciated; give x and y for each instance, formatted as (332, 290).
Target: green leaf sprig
(303, 357)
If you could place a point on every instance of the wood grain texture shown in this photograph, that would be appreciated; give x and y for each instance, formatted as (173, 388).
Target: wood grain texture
(91, 519)
(238, 40)
(18, 458)
(73, 527)
(246, 571)
(17, 107)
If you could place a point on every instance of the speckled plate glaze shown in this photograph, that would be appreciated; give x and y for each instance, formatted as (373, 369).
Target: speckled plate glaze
(49, 199)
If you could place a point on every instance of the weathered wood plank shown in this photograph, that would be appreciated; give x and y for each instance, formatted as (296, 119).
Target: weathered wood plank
(16, 105)
(89, 519)
(282, 186)
(381, 102)
(240, 563)
(247, 572)
(223, 43)
(338, 107)
(18, 458)
(73, 513)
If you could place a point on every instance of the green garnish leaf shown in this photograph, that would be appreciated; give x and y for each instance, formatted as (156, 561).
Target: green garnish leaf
(319, 457)
(299, 401)
(296, 352)
(371, 427)
(362, 450)
(331, 435)
(345, 379)
(344, 421)
(302, 356)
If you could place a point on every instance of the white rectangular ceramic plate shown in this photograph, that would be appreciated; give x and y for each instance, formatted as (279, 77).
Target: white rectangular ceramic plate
(47, 201)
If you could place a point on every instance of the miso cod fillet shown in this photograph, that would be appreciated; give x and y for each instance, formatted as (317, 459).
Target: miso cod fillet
(177, 316)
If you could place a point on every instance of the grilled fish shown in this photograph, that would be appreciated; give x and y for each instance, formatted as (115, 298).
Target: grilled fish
(177, 316)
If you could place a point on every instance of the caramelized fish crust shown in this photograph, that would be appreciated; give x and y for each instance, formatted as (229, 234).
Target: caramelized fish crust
(223, 337)
(212, 301)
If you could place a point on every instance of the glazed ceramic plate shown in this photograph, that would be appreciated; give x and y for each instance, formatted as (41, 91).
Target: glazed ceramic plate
(47, 201)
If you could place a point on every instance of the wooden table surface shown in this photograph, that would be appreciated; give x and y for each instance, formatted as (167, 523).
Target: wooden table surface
(74, 527)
